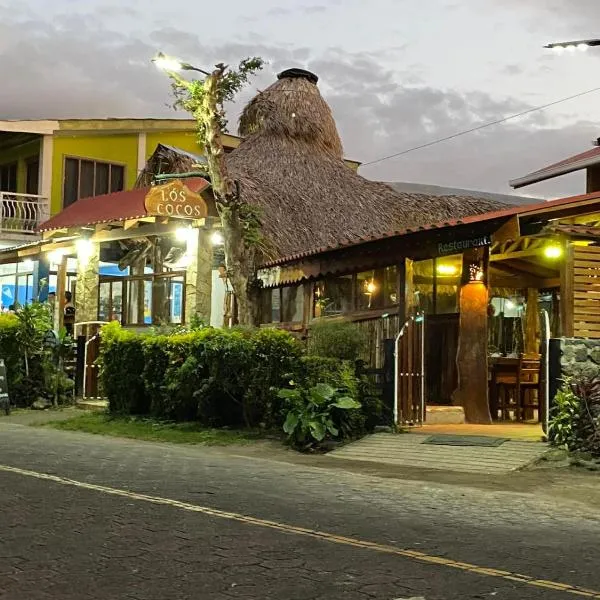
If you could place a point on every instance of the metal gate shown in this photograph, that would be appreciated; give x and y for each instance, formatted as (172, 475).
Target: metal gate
(409, 373)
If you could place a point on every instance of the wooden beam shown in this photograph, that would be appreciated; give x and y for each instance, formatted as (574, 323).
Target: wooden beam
(531, 344)
(521, 282)
(143, 231)
(566, 292)
(130, 224)
(48, 235)
(509, 232)
(519, 254)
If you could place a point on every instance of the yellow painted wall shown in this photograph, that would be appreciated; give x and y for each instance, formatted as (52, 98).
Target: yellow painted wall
(20, 155)
(186, 140)
(115, 148)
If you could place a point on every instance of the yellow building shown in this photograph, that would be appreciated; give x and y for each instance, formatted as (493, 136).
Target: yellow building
(46, 165)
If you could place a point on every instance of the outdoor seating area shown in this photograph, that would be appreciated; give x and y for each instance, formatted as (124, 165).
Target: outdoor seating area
(515, 388)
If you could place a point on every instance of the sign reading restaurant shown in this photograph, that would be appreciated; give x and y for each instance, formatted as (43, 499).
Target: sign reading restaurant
(175, 199)
(458, 246)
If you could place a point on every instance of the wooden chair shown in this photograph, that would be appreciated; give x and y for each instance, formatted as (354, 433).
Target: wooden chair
(529, 386)
(504, 389)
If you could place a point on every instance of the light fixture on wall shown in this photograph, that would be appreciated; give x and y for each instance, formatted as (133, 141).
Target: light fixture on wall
(446, 269)
(56, 256)
(216, 239)
(85, 249)
(370, 287)
(183, 234)
(553, 251)
(475, 273)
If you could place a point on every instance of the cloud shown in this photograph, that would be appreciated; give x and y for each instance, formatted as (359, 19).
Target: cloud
(77, 68)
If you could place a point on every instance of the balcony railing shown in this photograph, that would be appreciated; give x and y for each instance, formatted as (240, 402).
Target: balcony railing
(22, 213)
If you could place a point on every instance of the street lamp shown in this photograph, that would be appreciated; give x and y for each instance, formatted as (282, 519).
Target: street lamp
(574, 45)
(167, 63)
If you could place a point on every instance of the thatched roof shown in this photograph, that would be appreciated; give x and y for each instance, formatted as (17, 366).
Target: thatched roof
(169, 159)
(291, 165)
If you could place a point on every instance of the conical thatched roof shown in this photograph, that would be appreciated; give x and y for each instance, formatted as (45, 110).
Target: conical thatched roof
(169, 159)
(291, 165)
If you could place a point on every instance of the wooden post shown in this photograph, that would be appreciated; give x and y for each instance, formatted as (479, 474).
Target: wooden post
(409, 288)
(87, 286)
(567, 297)
(472, 354)
(61, 288)
(531, 343)
(400, 294)
(198, 278)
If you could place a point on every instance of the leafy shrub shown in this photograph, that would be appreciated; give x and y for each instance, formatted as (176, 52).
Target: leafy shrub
(10, 351)
(220, 377)
(122, 368)
(575, 417)
(336, 339)
(342, 375)
(310, 413)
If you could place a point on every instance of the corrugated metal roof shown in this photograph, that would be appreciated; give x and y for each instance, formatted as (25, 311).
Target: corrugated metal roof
(438, 190)
(532, 209)
(568, 165)
(118, 206)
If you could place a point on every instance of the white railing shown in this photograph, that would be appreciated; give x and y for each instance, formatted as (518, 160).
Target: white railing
(22, 213)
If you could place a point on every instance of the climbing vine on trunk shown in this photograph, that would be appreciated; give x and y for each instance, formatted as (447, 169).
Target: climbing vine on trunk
(242, 239)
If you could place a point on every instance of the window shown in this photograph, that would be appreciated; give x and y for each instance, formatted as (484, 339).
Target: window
(448, 272)
(85, 178)
(333, 296)
(292, 304)
(8, 178)
(376, 289)
(33, 177)
(110, 306)
(424, 282)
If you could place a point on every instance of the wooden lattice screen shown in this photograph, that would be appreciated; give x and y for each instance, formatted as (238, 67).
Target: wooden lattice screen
(586, 291)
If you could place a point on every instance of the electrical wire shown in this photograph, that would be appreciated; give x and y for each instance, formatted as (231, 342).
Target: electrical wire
(479, 127)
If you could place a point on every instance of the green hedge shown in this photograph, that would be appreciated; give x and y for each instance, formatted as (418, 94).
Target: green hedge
(221, 377)
(13, 359)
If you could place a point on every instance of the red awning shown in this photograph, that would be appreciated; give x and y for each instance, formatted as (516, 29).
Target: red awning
(118, 206)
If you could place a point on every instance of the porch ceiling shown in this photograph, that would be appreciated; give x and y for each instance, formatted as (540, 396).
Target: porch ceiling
(11, 140)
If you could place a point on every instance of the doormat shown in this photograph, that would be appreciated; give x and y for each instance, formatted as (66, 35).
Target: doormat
(464, 440)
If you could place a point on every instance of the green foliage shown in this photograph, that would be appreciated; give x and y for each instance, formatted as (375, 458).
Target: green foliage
(219, 377)
(575, 417)
(191, 95)
(143, 428)
(226, 377)
(336, 339)
(562, 430)
(310, 416)
(34, 362)
(122, 366)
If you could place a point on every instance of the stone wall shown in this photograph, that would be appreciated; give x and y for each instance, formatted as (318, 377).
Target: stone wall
(579, 355)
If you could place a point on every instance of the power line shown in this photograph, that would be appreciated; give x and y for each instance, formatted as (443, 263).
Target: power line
(479, 127)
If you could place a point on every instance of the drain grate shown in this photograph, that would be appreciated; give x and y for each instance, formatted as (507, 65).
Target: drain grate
(464, 440)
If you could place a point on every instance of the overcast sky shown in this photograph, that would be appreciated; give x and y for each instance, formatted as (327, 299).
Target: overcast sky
(397, 73)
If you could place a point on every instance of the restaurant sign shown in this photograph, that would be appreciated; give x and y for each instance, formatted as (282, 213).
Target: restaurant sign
(458, 246)
(175, 199)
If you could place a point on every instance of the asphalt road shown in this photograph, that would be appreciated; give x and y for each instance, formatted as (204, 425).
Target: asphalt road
(92, 517)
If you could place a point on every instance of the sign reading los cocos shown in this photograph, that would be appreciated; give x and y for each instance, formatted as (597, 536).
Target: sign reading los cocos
(174, 199)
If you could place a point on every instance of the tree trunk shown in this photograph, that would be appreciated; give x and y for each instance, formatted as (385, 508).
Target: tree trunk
(472, 354)
(239, 258)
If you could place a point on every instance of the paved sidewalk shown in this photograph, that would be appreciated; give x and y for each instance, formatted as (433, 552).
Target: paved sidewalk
(410, 451)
